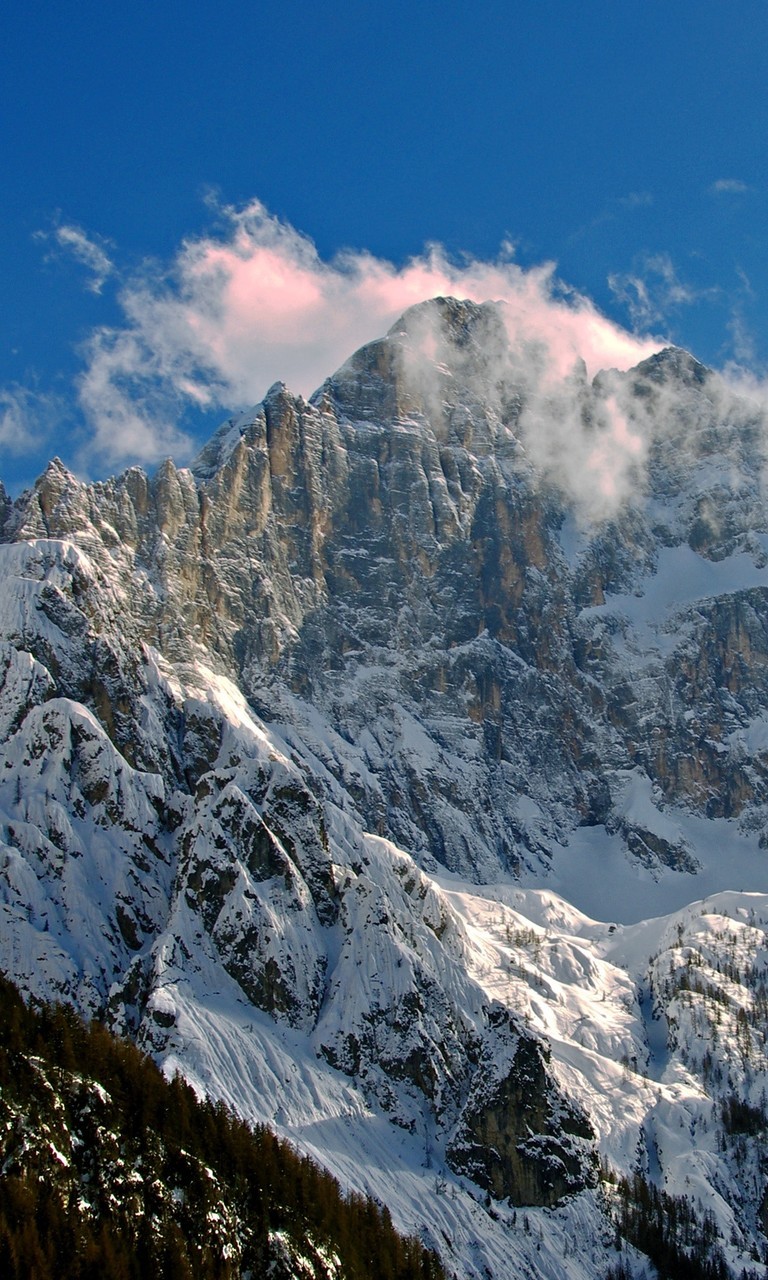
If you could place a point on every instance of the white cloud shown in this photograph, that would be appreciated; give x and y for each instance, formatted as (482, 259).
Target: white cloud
(653, 290)
(256, 304)
(744, 365)
(26, 419)
(636, 200)
(742, 340)
(728, 186)
(86, 250)
(130, 407)
(611, 212)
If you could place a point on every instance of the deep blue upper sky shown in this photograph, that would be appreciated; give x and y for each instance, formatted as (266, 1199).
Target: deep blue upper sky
(626, 142)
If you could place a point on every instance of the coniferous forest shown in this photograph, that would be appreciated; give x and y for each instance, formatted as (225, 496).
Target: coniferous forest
(109, 1170)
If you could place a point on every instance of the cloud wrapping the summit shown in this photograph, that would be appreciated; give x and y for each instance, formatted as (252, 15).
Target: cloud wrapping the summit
(256, 303)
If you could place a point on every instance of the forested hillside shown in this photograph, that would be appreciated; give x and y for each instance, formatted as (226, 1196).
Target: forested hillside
(110, 1170)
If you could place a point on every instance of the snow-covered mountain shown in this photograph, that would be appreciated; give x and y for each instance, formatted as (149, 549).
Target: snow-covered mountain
(398, 773)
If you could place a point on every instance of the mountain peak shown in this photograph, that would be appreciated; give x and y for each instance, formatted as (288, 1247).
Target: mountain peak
(674, 364)
(297, 756)
(453, 314)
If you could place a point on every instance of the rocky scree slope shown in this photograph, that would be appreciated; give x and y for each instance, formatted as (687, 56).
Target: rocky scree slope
(251, 710)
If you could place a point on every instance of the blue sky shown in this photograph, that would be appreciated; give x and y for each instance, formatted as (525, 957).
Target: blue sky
(199, 200)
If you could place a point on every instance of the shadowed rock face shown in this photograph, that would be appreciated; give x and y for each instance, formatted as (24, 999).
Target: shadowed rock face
(519, 1138)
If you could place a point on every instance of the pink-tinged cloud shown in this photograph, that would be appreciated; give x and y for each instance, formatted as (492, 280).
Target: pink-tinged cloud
(258, 304)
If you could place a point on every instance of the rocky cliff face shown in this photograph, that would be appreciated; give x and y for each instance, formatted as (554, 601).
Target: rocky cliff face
(252, 709)
(388, 556)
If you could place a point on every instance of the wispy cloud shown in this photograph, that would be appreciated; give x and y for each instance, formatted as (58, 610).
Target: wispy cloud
(26, 419)
(653, 290)
(728, 186)
(636, 200)
(744, 370)
(89, 251)
(743, 342)
(255, 303)
(612, 211)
